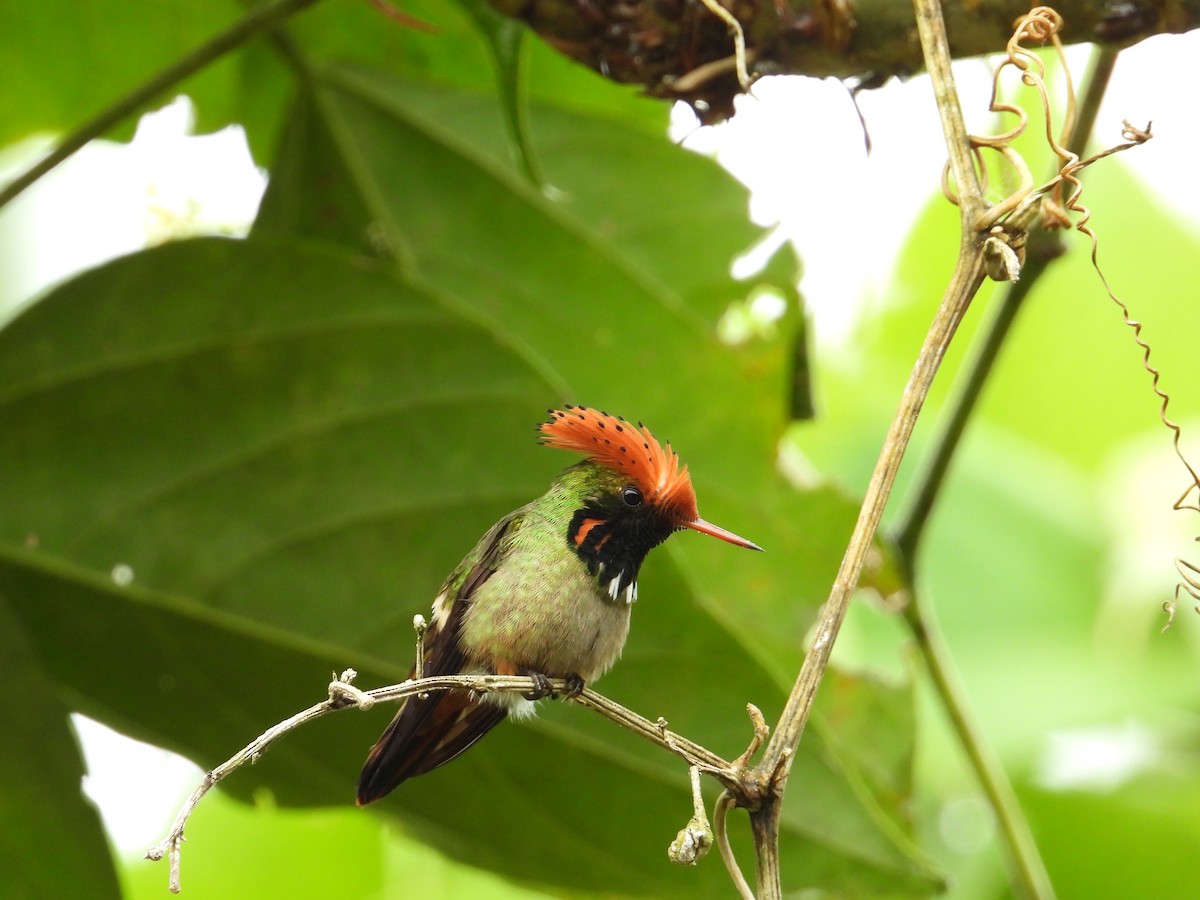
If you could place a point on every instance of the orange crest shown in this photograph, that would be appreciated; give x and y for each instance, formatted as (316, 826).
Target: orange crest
(629, 449)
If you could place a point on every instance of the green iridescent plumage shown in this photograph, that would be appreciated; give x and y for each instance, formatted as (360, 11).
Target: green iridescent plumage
(546, 591)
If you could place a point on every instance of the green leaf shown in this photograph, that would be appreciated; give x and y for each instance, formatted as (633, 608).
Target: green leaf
(280, 375)
(618, 291)
(1139, 833)
(259, 850)
(51, 838)
(422, 171)
(287, 449)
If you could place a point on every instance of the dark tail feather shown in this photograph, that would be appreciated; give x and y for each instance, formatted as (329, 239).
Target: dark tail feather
(424, 735)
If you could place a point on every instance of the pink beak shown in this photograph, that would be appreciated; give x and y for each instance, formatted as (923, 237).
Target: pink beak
(719, 532)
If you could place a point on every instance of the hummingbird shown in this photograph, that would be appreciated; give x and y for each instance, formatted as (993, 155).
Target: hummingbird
(546, 592)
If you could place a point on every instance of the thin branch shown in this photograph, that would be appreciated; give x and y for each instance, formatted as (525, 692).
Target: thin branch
(696, 78)
(343, 695)
(968, 274)
(725, 802)
(936, 49)
(739, 41)
(658, 733)
(1030, 875)
(1043, 249)
(764, 826)
(965, 281)
(695, 839)
(697, 795)
(255, 22)
(420, 626)
(935, 466)
(777, 757)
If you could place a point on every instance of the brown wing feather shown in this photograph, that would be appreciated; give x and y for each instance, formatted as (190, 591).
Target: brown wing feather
(428, 733)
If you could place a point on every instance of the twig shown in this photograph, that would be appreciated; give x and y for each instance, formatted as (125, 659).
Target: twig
(697, 795)
(777, 757)
(721, 808)
(403, 18)
(964, 282)
(1189, 582)
(968, 275)
(936, 49)
(761, 732)
(657, 733)
(343, 695)
(1029, 872)
(705, 72)
(739, 41)
(695, 838)
(420, 626)
(251, 25)
(1045, 246)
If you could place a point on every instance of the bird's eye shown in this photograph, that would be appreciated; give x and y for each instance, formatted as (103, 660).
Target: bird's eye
(631, 497)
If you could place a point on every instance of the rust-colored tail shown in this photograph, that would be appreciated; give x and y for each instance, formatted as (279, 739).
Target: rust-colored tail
(424, 735)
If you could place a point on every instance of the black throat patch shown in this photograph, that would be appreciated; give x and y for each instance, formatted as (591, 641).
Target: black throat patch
(614, 542)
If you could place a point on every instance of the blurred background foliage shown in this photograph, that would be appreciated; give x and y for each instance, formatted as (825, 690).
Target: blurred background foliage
(230, 467)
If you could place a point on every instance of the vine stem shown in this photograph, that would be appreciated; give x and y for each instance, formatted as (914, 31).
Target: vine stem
(1044, 248)
(258, 20)
(968, 275)
(776, 763)
(775, 766)
(1030, 873)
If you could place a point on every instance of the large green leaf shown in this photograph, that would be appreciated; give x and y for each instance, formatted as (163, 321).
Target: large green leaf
(334, 406)
(286, 449)
(368, 859)
(616, 288)
(40, 774)
(617, 281)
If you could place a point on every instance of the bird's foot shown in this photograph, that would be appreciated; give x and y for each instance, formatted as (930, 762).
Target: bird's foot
(575, 685)
(542, 688)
